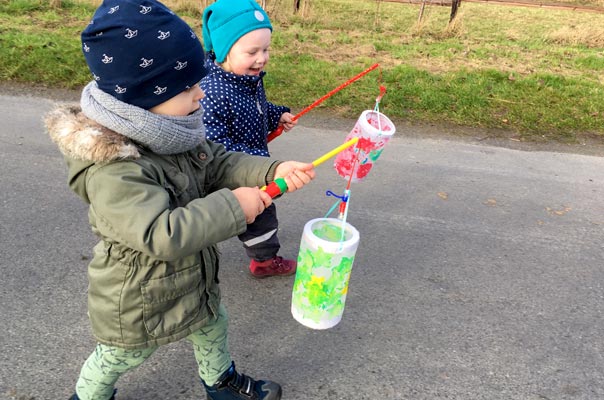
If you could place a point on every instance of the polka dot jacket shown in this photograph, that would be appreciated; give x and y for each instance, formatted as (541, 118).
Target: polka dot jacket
(237, 113)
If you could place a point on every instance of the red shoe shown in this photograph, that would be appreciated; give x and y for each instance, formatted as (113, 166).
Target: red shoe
(276, 266)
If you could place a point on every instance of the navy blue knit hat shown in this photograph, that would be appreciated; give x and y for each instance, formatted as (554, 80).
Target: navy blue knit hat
(141, 53)
(225, 21)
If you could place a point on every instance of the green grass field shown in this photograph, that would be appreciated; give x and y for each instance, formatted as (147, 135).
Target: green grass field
(538, 73)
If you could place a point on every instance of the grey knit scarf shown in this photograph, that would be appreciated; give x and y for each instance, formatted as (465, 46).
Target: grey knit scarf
(162, 134)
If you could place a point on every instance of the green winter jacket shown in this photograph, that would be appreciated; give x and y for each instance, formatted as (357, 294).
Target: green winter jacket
(153, 278)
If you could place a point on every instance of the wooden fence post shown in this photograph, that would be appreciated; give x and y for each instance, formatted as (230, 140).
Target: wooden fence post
(421, 12)
(454, 7)
(304, 5)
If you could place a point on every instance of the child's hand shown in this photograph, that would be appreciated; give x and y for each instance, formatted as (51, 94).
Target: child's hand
(288, 121)
(296, 174)
(253, 201)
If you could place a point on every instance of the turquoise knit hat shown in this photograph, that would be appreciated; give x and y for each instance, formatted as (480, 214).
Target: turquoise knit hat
(225, 21)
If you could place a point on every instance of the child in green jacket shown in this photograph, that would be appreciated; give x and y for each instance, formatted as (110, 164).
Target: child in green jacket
(160, 195)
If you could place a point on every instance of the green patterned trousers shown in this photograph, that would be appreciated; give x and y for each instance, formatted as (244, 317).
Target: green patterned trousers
(107, 363)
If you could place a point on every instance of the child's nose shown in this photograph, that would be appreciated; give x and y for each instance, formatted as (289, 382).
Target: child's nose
(262, 58)
(199, 93)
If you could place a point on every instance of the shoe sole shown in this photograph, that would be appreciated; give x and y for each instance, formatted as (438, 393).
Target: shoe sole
(270, 276)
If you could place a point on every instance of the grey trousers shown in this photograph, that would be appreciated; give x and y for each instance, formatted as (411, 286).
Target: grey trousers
(260, 240)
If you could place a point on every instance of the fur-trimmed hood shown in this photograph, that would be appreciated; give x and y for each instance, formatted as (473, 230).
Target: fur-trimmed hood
(85, 143)
(83, 139)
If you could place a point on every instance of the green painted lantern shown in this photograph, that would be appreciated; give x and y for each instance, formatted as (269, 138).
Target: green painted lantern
(327, 251)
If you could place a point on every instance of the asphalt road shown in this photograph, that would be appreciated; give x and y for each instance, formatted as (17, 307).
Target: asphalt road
(479, 275)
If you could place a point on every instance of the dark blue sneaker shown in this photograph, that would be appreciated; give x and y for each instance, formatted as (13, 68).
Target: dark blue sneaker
(75, 396)
(234, 386)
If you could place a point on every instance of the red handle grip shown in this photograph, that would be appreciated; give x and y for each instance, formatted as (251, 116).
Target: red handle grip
(275, 133)
(275, 188)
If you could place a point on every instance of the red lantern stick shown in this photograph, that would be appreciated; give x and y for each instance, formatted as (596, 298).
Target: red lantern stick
(279, 130)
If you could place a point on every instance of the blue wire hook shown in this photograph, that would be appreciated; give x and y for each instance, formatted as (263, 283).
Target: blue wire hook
(343, 198)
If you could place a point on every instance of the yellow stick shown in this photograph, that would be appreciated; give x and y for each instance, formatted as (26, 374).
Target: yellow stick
(335, 151)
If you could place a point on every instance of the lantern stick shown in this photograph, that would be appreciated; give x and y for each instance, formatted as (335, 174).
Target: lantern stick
(278, 186)
(279, 130)
(335, 151)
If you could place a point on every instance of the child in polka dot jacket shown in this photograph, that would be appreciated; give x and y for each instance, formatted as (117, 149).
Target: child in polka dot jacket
(237, 36)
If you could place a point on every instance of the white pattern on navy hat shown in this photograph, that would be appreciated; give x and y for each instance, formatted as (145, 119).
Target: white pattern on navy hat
(180, 65)
(145, 63)
(106, 59)
(159, 90)
(145, 10)
(130, 33)
(86, 48)
(120, 90)
(113, 9)
(163, 35)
